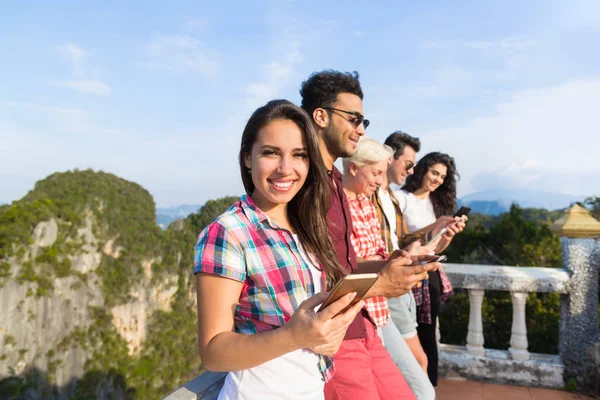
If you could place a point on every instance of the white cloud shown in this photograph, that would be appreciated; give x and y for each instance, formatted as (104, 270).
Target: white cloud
(85, 86)
(277, 74)
(76, 55)
(491, 61)
(180, 53)
(542, 138)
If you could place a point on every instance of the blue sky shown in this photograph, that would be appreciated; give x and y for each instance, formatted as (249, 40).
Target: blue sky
(158, 92)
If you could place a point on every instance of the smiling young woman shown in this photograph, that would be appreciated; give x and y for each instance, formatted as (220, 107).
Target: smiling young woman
(263, 266)
(429, 194)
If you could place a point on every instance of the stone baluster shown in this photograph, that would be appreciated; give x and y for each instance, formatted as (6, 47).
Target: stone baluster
(518, 339)
(578, 330)
(475, 335)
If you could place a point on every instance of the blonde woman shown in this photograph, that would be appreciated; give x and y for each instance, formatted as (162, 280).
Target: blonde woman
(364, 172)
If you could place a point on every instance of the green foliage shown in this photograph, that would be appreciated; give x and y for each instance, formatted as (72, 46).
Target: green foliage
(9, 340)
(15, 387)
(4, 272)
(50, 256)
(593, 202)
(513, 238)
(117, 277)
(44, 283)
(571, 384)
(520, 237)
(180, 236)
(113, 385)
(31, 385)
(168, 358)
(172, 336)
(18, 220)
(543, 322)
(123, 211)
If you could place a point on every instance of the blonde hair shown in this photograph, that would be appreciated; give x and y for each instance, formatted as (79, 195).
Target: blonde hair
(368, 151)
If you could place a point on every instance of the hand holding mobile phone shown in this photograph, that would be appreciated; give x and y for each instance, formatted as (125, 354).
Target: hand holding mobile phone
(359, 283)
(434, 258)
(440, 258)
(433, 239)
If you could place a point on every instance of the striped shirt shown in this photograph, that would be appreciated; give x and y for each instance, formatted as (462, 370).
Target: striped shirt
(245, 245)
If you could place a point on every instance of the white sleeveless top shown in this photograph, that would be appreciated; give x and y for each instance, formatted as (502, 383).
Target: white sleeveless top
(418, 213)
(294, 375)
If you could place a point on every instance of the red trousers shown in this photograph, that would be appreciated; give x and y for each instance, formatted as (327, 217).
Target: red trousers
(364, 370)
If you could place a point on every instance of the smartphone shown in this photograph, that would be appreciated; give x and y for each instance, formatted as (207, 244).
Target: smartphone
(433, 239)
(359, 283)
(462, 211)
(440, 258)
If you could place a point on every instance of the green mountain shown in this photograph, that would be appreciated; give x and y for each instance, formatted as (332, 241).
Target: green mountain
(97, 300)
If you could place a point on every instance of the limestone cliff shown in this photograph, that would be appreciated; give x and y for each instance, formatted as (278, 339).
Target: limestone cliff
(94, 298)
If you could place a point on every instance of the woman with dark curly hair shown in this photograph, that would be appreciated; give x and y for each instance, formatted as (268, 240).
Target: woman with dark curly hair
(428, 194)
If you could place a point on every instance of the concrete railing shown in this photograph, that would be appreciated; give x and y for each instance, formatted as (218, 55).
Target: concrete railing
(205, 386)
(517, 365)
(579, 348)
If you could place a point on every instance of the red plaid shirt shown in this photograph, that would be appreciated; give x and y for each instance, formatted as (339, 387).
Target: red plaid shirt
(367, 242)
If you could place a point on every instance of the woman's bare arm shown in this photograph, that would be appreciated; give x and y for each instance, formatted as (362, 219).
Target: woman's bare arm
(221, 349)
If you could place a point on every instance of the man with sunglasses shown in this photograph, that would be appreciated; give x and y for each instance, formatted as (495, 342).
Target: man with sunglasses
(364, 368)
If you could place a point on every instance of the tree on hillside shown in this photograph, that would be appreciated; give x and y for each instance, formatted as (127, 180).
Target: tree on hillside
(594, 203)
(211, 210)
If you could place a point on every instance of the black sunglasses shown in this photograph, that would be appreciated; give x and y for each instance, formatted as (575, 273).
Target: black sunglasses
(409, 165)
(356, 122)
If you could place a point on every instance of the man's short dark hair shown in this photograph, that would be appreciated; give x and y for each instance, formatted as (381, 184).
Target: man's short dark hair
(321, 88)
(398, 140)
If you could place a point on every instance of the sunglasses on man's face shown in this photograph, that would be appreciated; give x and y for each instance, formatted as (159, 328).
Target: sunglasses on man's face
(359, 118)
(409, 165)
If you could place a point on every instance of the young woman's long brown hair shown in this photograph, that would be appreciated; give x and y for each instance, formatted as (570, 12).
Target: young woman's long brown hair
(308, 209)
(443, 198)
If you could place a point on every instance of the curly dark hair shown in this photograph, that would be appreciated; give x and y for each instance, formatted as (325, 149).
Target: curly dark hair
(308, 209)
(444, 197)
(321, 88)
(399, 139)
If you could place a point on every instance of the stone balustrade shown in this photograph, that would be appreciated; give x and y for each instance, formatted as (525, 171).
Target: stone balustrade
(517, 365)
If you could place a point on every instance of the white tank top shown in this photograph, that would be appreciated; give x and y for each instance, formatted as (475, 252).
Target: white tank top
(417, 213)
(294, 375)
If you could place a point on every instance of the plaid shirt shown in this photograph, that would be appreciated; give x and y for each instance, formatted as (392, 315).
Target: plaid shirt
(245, 245)
(423, 299)
(367, 242)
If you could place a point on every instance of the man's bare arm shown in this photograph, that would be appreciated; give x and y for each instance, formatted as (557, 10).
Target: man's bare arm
(369, 266)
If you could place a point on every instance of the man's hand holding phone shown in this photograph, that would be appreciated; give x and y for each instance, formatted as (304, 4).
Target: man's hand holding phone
(401, 273)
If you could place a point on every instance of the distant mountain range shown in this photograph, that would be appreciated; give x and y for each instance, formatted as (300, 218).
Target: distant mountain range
(164, 216)
(497, 201)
